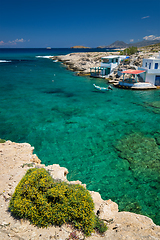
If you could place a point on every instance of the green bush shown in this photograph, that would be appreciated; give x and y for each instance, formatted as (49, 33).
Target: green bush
(129, 51)
(100, 226)
(46, 202)
(2, 140)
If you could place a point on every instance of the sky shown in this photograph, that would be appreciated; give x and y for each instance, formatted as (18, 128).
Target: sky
(66, 23)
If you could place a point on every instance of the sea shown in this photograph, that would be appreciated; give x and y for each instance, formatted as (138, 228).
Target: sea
(110, 140)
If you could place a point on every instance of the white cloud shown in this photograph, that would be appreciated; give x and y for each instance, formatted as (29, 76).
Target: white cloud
(19, 40)
(14, 42)
(131, 40)
(11, 42)
(151, 37)
(145, 17)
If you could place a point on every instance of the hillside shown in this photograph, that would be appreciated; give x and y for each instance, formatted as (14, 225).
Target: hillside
(121, 44)
(144, 43)
(118, 44)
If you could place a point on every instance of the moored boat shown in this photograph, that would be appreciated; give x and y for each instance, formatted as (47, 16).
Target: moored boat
(102, 88)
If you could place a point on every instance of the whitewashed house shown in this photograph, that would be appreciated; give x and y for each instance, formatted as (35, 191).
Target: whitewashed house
(111, 62)
(152, 67)
(108, 64)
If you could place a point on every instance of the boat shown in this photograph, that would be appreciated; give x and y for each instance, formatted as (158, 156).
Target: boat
(102, 88)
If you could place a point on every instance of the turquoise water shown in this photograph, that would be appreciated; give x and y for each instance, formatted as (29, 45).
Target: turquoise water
(110, 141)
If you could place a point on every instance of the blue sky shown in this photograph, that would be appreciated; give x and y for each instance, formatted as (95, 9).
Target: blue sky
(65, 23)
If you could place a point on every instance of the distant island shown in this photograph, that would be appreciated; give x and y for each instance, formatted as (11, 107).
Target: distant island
(79, 47)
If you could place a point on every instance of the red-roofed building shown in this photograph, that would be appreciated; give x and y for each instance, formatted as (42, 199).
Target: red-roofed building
(135, 80)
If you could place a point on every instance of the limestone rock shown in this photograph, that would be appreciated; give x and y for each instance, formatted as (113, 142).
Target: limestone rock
(35, 159)
(108, 210)
(57, 172)
(98, 201)
(77, 182)
(82, 62)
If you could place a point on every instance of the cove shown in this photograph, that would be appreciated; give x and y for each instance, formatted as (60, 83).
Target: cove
(110, 141)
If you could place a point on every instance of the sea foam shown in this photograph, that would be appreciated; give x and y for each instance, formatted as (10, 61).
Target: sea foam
(4, 61)
(44, 56)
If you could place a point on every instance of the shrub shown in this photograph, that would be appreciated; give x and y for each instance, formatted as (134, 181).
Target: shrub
(100, 226)
(129, 51)
(45, 202)
(2, 140)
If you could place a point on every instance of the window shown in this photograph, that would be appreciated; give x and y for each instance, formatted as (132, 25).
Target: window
(105, 60)
(146, 64)
(149, 65)
(156, 66)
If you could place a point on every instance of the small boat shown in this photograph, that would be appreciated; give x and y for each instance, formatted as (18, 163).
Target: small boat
(102, 88)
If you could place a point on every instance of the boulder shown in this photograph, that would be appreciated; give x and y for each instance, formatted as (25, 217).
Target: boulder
(108, 210)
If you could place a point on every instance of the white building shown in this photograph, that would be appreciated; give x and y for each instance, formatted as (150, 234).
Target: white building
(111, 62)
(152, 68)
(108, 64)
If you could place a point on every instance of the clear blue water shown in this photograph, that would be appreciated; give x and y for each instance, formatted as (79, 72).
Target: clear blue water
(88, 132)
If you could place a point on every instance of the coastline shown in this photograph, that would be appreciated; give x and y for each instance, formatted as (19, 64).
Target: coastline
(16, 159)
(81, 62)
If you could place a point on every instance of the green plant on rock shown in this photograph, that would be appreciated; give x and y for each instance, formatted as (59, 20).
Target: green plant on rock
(100, 226)
(46, 202)
(27, 164)
(2, 140)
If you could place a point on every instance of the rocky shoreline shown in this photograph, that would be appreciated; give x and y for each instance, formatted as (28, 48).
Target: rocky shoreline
(16, 159)
(80, 63)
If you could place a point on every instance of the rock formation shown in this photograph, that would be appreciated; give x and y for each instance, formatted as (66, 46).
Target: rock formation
(82, 62)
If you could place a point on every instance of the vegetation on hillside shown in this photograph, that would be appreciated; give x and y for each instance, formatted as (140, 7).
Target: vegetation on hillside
(151, 48)
(129, 51)
(45, 201)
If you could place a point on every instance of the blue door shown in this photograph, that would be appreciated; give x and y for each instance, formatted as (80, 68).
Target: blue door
(157, 80)
(107, 71)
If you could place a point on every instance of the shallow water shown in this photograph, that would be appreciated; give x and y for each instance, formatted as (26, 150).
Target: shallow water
(104, 139)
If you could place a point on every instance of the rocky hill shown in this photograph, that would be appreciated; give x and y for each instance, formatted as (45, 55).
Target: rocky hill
(118, 44)
(121, 44)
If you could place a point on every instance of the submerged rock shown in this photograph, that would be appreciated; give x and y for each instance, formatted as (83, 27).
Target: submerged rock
(143, 154)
